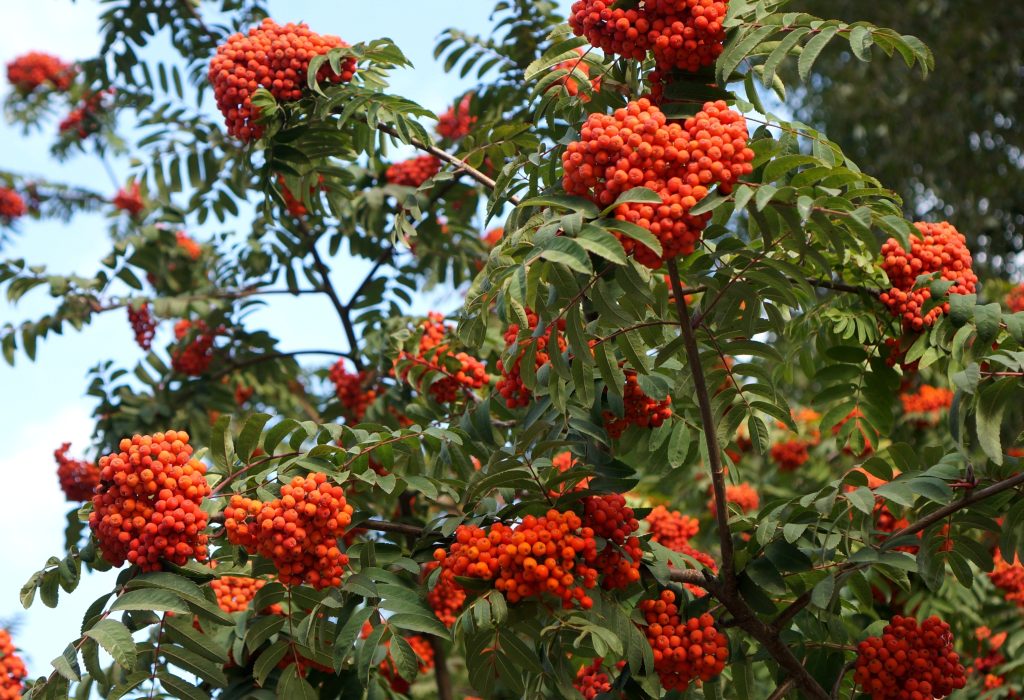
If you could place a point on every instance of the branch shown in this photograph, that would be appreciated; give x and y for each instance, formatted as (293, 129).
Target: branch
(459, 164)
(441, 673)
(710, 434)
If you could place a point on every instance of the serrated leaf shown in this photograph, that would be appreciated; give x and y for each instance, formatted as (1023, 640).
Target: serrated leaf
(116, 640)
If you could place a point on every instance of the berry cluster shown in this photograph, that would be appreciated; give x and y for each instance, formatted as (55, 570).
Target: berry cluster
(938, 249)
(129, 199)
(188, 245)
(235, 593)
(927, 404)
(791, 454)
(447, 597)
(1008, 577)
(569, 81)
(389, 671)
(670, 528)
(552, 554)
(143, 325)
(591, 680)
(35, 69)
(434, 353)
(638, 147)
(640, 409)
(511, 386)
(683, 34)
(78, 478)
(609, 517)
(413, 172)
(274, 57)
(909, 661)
(457, 121)
(865, 437)
(12, 668)
(492, 237)
(1015, 299)
(743, 495)
(83, 120)
(349, 388)
(12, 206)
(194, 357)
(684, 652)
(148, 503)
(292, 203)
(299, 531)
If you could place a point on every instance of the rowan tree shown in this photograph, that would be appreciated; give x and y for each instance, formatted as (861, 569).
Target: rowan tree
(713, 419)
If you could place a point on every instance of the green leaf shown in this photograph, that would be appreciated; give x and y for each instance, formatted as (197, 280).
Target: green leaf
(599, 242)
(821, 594)
(151, 600)
(250, 435)
(992, 403)
(116, 640)
(423, 622)
(567, 251)
(406, 661)
(988, 319)
(563, 202)
(179, 687)
(637, 233)
(812, 50)
(292, 686)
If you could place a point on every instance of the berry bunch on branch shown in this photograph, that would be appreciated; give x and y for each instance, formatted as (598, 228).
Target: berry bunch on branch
(148, 503)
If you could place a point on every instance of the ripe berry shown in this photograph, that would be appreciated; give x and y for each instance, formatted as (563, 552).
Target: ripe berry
(492, 237)
(909, 662)
(638, 147)
(413, 172)
(298, 532)
(936, 249)
(194, 357)
(83, 121)
(130, 199)
(671, 529)
(12, 206)
(684, 652)
(511, 386)
(35, 69)
(236, 593)
(274, 57)
(743, 495)
(148, 504)
(188, 245)
(143, 325)
(12, 668)
(639, 409)
(1008, 577)
(78, 478)
(457, 121)
(349, 388)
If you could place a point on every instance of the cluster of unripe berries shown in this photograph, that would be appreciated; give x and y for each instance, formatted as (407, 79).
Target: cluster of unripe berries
(273, 57)
(350, 388)
(681, 34)
(12, 206)
(143, 325)
(553, 554)
(510, 386)
(193, 357)
(456, 121)
(77, 477)
(638, 146)
(298, 532)
(909, 661)
(35, 69)
(129, 199)
(434, 353)
(639, 409)
(927, 403)
(936, 249)
(684, 651)
(12, 669)
(148, 503)
(414, 171)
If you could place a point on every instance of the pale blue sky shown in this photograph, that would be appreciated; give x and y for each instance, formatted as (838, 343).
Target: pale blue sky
(43, 403)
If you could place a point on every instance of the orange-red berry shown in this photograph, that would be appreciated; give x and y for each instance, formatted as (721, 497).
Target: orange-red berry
(12, 669)
(909, 661)
(78, 478)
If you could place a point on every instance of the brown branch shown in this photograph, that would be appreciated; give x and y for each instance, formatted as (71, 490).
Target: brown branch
(231, 477)
(710, 433)
(442, 675)
(780, 692)
(459, 164)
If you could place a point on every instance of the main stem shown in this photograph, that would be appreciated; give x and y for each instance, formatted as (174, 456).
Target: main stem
(708, 424)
